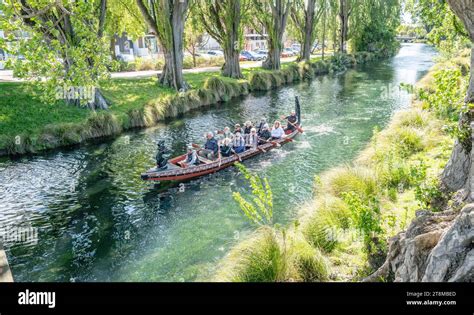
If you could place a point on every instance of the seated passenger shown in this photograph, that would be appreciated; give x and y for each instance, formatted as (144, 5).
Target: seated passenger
(227, 134)
(191, 157)
(248, 127)
(211, 148)
(237, 128)
(238, 143)
(262, 123)
(226, 147)
(251, 141)
(277, 130)
(265, 134)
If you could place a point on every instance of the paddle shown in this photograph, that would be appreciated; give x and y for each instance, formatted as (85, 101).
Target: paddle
(300, 130)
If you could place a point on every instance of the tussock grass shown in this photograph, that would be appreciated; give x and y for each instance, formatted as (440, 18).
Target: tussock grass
(258, 259)
(358, 179)
(307, 263)
(260, 81)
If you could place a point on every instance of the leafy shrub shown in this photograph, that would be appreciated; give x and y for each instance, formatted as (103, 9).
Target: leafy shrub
(429, 194)
(366, 218)
(260, 81)
(142, 64)
(448, 97)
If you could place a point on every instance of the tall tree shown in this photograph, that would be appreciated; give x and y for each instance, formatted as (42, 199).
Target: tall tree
(166, 19)
(66, 49)
(345, 11)
(305, 15)
(222, 20)
(459, 171)
(271, 18)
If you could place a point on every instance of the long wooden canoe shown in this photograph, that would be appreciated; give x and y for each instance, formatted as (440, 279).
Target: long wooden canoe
(175, 172)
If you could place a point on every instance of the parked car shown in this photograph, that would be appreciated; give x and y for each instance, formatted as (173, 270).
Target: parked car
(287, 52)
(243, 58)
(262, 53)
(250, 55)
(215, 53)
(296, 48)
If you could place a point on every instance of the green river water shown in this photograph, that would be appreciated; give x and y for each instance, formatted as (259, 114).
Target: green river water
(96, 220)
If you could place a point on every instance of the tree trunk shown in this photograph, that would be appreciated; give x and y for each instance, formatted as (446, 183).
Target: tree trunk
(308, 31)
(170, 33)
(324, 36)
(231, 66)
(172, 75)
(273, 61)
(344, 16)
(280, 12)
(459, 172)
(99, 100)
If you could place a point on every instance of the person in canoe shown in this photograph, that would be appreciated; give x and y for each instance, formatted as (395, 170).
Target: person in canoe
(251, 142)
(291, 119)
(237, 128)
(247, 127)
(265, 135)
(226, 133)
(161, 160)
(277, 131)
(226, 147)
(260, 126)
(211, 148)
(238, 143)
(191, 157)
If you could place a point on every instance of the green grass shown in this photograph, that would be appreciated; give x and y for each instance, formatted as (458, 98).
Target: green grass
(21, 113)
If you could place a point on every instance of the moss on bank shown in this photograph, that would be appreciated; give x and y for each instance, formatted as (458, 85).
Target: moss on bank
(29, 126)
(357, 207)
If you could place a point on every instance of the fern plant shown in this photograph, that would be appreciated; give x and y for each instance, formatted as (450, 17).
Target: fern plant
(258, 209)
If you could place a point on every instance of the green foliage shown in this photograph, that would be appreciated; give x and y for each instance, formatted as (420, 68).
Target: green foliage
(443, 28)
(260, 209)
(340, 62)
(429, 193)
(366, 218)
(64, 48)
(447, 101)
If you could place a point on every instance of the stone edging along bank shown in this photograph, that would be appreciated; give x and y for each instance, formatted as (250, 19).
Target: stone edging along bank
(103, 124)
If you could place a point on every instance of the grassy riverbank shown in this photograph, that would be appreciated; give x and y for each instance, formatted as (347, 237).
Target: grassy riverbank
(29, 126)
(342, 234)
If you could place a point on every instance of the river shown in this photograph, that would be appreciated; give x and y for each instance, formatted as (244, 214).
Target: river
(96, 220)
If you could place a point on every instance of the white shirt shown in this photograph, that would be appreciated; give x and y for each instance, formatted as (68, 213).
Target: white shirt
(278, 132)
